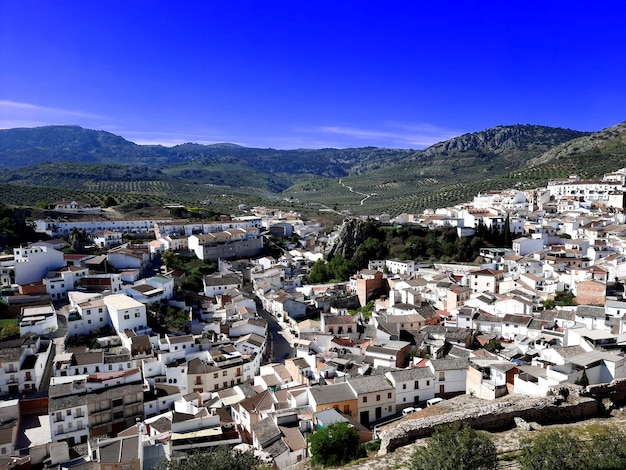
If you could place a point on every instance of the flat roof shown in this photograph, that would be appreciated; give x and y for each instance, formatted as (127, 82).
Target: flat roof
(119, 301)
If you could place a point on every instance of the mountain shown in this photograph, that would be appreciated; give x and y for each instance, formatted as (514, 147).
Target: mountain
(445, 173)
(520, 140)
(72, 162)
(24, 147)
(61, 143)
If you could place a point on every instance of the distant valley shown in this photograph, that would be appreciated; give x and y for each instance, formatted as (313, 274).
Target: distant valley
(69, 162)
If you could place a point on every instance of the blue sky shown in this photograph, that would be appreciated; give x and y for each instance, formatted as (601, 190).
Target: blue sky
(295, 74)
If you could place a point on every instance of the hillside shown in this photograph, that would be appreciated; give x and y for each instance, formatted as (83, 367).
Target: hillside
(443, 174)
(55, 162)
(608, 143)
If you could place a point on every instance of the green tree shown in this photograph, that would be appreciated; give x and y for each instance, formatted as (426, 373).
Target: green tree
(336, 444)
(170, 259)
(608, 447)
(556, 449)
(456, 447)
(318, 272)
(339, 269)
(583, 380)
(564, 298)
(110, 201)
(222, 458)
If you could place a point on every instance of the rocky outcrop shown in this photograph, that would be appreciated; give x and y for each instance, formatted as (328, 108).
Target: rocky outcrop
(501, 139)
(352, 233)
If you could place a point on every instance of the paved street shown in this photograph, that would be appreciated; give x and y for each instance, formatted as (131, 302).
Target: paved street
(279, 344)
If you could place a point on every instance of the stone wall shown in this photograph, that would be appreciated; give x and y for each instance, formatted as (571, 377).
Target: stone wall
(567, 404)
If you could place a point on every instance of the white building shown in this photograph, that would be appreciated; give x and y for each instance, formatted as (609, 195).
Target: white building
(126, 313)
(413, 386)
(33, 263)
(39, 320)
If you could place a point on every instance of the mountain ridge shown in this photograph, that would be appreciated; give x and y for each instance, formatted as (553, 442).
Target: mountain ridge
(394, 180)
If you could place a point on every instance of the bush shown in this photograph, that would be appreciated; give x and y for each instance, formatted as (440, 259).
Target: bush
(456, 447)
(222, 458)
(556, 449)
(334, 445)
(563, 449)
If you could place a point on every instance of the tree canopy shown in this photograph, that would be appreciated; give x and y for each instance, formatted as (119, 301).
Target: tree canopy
(337, 269)
(456, 447)
(222, 458)
(565, 449)
(336, 444)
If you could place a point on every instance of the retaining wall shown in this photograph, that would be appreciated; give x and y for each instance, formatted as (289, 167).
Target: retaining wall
(568, 403)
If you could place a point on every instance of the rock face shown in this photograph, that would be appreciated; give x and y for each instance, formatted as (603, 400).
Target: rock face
(500, 139)
(353, 232)
(522, 424)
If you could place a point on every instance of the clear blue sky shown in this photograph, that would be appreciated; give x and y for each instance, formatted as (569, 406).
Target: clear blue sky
(291, 74)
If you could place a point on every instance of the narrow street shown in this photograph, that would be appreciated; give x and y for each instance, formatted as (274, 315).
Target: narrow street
(280, 347)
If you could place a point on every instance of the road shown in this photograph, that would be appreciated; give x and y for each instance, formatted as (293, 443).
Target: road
(280, 347)
(349, 188)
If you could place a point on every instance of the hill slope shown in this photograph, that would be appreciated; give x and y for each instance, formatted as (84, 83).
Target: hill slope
(443, 174)
(608, 143)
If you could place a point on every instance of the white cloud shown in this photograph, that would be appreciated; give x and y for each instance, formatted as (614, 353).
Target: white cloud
(43, 115)
(15, 114)
(391, 134)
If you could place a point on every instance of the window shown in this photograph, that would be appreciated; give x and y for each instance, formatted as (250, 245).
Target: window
(216, 375)
(137, 315)
(224, 373)
(126, 317)
(389, 395)
(377, 397)
(364, 399)
(403, 386)
(416, 385)
(442, 376)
